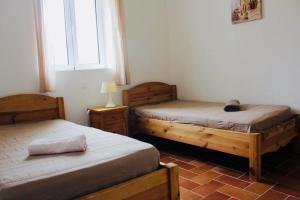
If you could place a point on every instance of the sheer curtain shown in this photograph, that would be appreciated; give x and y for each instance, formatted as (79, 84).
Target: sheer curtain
(115, 40)
(115, 44)
(45, 58)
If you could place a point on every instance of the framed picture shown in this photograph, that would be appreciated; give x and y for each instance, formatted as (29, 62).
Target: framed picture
(245, 10)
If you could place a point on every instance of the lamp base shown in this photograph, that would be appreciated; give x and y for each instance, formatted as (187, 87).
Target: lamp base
(110, 103)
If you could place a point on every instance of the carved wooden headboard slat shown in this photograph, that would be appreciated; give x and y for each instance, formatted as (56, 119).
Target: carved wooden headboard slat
(30, 107)
(149, 93)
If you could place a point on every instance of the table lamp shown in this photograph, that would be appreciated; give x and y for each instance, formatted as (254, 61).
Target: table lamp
(109, 88)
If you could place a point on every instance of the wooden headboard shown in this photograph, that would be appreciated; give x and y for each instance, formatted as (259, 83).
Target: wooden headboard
(30, 107)
(149, 93)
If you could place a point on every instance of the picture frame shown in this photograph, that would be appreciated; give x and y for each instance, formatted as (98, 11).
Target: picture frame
(245, 11)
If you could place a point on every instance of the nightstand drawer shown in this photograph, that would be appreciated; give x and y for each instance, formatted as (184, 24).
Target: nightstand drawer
(112, 118)
(116, 128)
(113, 122)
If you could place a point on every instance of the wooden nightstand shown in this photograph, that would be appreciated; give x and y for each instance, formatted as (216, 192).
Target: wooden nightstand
(113, 120)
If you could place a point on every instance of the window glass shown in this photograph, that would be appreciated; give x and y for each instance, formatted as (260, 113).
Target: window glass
(86, 32)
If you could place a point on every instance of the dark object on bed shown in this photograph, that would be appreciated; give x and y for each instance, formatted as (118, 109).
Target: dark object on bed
(232, 106)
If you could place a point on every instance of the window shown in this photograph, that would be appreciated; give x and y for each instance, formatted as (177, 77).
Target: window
(75, 32)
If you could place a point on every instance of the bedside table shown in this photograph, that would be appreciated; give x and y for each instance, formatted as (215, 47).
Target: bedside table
(113, 120)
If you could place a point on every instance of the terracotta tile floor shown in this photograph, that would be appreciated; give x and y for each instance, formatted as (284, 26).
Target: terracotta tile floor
(211, 175)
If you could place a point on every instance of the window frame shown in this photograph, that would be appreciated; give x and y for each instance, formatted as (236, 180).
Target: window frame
(71, 39)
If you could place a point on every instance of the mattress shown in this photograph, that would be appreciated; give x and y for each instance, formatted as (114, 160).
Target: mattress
(109, 159)
(251, 118)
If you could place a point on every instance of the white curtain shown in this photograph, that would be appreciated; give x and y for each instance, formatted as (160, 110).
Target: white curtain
(45, 58)
(115, 40)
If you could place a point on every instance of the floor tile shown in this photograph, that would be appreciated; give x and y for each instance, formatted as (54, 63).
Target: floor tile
(237, 193)
(164, 154)
(167, 160)
(206, 177)
(206, 166)
(246, 178)
(197, 163)
(283, 179)
(198, 170)
(232, 181)
(211, 175)
(187, 184)
(208, 188)
(258, 188)
(188, 195)
(217, 196)
(186, 173)
(292, 198)
(229, 172)
(184, 165)
(182, 158)
(273, 195)
(287, 190)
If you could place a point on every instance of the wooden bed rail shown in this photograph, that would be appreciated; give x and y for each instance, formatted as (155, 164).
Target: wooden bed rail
(248, 145)
(161, 184)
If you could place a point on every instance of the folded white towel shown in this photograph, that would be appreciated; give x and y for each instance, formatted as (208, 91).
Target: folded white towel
(72, 143)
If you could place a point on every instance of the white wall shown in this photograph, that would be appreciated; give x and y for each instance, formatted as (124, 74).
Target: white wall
(256, 62)
(147, 45)
(208, 58)
(18, 72)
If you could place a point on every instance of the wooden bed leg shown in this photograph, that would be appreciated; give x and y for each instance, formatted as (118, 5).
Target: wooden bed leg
(174, 181)
(255, 157)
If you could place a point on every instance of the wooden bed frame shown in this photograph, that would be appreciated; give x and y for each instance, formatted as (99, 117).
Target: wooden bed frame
(160, 184)
(251, 146)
